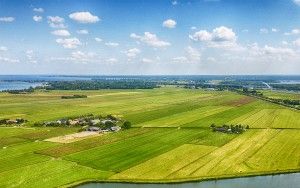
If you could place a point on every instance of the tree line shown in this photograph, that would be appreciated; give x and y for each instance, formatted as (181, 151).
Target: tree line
(96, 84)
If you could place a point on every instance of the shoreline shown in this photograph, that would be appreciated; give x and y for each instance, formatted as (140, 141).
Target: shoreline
(182, 180)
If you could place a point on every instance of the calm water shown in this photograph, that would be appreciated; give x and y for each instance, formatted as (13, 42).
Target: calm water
(18, 82)
(275, 181)
(17, 85)
(15, 82)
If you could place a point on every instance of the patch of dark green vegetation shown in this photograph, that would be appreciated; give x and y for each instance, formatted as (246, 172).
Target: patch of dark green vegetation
(229, 129)
(20, 91)
(73, 96)
(103, 84)
(286, 102)
(17, 121)
(289, 87)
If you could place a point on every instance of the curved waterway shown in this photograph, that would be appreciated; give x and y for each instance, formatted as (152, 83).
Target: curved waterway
(270, 181)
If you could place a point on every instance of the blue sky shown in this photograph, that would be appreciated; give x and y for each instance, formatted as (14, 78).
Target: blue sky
(149, 37)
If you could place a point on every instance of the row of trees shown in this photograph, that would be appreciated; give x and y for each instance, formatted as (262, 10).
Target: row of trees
(97, 84)
(286, 102)
(73, 96)
(17, 121)
(21, 91)
(289, 87)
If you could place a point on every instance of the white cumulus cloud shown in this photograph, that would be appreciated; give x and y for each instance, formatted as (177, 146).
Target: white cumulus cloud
(30, 56)
(112, 44)
(146, 60)
(37, 18)
(264, 31)
(70, 43)
(201, 35)
(83, 32)
(61, 33)
(7, 19)
(132, 53)
(8, 60)
(84, 17)
(82, 56)
(219, 34)
(56, 22)
(150, 39)
(297, 42)
(297, 2)
(97, 39)
(169, 23)
(193, 54)
(180, 59)
(40, 10)
(111, 60)
(3, 48)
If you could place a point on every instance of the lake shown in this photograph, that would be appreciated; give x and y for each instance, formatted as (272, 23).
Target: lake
(17, 85)
(270, 181)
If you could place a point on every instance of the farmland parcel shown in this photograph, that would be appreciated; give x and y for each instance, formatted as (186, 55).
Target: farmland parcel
(170, 140)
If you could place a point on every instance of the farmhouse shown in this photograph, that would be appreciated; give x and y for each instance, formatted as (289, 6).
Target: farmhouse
(115, 128)
(95, 121)
(106, 121)
(74, 122)
(11, 121)
(93, 129)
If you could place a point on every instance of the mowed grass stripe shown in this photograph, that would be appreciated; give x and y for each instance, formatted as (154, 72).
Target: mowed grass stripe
(4, 142)
(163, 165)
(179, 107)
(222, 116)
(149, 114)
(19, 155)
(122, 155)
(6, 132)
(53, 173)
(20, 149)
(271, 118)
(210, 138)
(229, 158)
(179, 119)
(18, 161)
(282, 152)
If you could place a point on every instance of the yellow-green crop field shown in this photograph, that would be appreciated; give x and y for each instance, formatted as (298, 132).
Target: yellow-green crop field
(170, 140)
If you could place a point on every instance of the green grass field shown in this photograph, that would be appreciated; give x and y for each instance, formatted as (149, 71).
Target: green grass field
(170, 140)
(281, 94)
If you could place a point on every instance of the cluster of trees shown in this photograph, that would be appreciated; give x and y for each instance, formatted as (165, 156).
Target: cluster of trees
(103, 84)
(252, 92)
(17, 121)
(231, 129)
(21, 91)
(126, 125)
(287, 102)
(103, 122)
(289, 87)
(73, 96)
